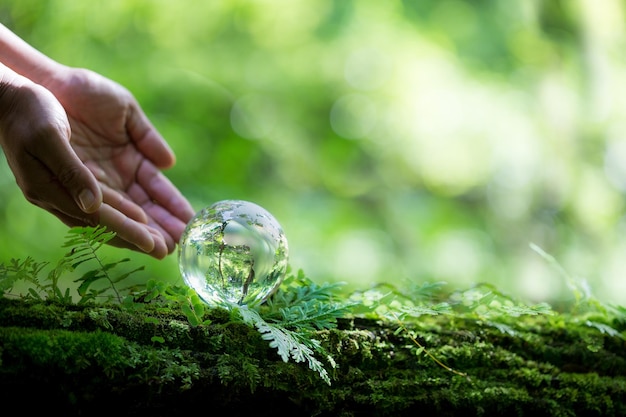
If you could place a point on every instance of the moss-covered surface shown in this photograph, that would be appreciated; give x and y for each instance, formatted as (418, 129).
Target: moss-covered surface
(97, 359)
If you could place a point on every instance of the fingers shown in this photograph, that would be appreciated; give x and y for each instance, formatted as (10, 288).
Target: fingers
(43, 152)
(72, 174)
(35, 137)
(126, 228)
(164, 227)
(41, 188)
(160, 250)
(161, 200)
(123, 204)
(141, 223)
(133, 225)
(131, 230)
(119, 214)
(78, 181)
(147, 139)
(126, 233)
(163, 192)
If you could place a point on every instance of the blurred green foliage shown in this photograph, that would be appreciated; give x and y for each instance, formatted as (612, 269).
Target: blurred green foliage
(395, 141)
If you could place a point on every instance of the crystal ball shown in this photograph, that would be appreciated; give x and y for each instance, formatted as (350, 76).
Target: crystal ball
(233, 251)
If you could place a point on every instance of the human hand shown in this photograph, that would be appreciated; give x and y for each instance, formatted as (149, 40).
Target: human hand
(106, 174)
(115, 140)
(34, 135)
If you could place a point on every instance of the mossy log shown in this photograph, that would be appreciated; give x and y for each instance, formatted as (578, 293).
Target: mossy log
(93, 360)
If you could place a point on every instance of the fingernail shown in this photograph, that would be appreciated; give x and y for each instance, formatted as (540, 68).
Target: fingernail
(86, 200)
(147, 245)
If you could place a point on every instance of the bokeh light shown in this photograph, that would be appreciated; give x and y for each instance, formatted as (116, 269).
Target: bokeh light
(397, 141)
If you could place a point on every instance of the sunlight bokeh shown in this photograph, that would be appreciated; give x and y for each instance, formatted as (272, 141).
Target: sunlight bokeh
(395, 141)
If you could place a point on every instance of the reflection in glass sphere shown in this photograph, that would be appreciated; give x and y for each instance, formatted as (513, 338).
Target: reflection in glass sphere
(233, 251)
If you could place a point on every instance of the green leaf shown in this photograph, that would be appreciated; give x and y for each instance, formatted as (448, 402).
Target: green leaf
(34, 294)
(192, 318)
(605, 329)
(287, 343)
(87, 279)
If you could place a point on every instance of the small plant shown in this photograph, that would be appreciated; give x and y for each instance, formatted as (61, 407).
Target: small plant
(482, 303)
(287, 321)
(290, 319)
(100, 281)
(289, 343)
(28, 271)
(292, 315)
(187, 299)
(586, 307)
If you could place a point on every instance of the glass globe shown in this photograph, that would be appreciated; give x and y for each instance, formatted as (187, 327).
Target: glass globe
(233, 252)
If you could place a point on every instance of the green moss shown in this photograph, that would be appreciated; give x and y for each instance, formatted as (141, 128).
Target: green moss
(106, 358)
(60, 349)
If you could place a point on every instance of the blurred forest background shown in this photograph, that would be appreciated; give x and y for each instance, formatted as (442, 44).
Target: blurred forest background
(400, 141)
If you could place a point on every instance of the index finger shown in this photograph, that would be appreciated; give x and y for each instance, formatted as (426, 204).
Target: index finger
(161, 190)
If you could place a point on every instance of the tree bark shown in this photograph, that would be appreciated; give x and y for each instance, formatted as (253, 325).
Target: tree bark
(92, 360)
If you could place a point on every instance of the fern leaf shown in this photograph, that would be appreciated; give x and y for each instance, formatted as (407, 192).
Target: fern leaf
(125, 275)
(420, 310)
(34, 294)
(313, 315)
(604, 328)
(87, 279)
(287, 344)
(20, 270)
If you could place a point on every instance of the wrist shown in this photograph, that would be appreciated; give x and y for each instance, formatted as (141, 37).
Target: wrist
(47, 75)
(54, 77)
(23, 59)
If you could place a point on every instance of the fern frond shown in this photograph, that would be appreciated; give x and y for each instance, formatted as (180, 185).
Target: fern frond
(421, 310)
(27, 270)
(84, 243)
(304, 305)
(299, 288)
(312, 315)
(289, 344)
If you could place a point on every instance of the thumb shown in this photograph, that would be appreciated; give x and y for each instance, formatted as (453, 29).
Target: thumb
(68, 169)
(40, 153)
(77, 180)
(70, 172)
(88, 201)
